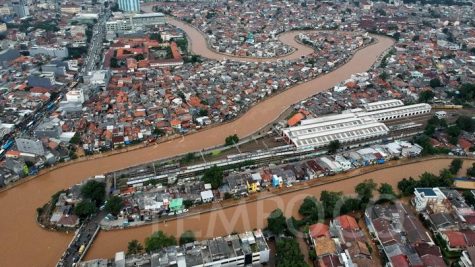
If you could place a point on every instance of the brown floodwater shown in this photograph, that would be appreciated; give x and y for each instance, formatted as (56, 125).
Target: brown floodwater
(24, 243)
(253, 215)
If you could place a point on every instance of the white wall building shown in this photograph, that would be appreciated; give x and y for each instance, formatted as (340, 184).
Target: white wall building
(59, 52)
(33, 146)
(346, 128)
(130, 22)
(76, 95)
(423, 196)
(355, 125)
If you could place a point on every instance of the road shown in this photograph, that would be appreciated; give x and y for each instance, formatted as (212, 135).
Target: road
(85, 236)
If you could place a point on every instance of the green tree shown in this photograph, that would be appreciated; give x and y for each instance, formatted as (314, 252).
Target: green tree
(95, 191)
(75, 139)
(426, 96)
(187, 237)
(406, 186)
(158, 132)
(114, 205)
(386, 189)
(469, 197)
(329, 202)
(333, 146)
(231, 140)
(159, 240)
(85, 208)
(308, 206)
(455, 166)
(365, 190)
(156, 36)
(134, 247)
(384, 76)
(213, 176)
(466, 123)
(289, 253)
(471, 171)
(435, 83)
(276, 222)
(114, 63)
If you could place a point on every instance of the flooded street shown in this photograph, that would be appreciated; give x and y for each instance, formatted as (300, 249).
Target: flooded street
(24, 243)
(253, 215)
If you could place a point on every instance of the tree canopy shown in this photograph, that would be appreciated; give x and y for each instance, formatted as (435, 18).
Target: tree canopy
(471, 171)
(85, 208)
(444, 179)
(231, 140)
(114, 205)
(213, 176)
(455, 166)
(187, 237)
(95, 191)
(333, 146)
(365, 190)
(276, 222)
(289, 254)
(426, 96)
(159, 240)
(134, 247)
(386, 189)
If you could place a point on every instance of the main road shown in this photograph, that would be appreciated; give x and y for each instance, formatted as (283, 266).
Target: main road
(24, 243)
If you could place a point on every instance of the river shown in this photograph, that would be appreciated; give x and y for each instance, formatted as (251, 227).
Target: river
(24, 243)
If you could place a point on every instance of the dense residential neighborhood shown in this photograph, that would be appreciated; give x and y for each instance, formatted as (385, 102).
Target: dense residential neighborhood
(237, 133)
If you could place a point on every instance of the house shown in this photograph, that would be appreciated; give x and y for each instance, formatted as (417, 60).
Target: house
(253, 186)
(324, 246)
(176, 205)
(207, 196)
(318, 230)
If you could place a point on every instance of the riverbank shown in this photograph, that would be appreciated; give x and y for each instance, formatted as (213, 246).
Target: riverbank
(304, 185)
(19, 203)
(250, 213)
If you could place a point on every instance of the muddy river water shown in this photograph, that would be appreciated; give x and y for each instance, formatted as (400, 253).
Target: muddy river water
(24, 243)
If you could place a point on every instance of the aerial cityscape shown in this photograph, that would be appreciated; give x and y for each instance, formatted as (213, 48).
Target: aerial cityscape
(289, 133)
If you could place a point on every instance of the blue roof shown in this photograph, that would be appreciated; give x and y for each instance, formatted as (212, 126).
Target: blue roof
(428, 192)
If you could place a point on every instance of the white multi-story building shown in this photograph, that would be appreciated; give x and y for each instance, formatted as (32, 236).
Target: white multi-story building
(59, 52)
(32, 146)
(355, 125)
(424, 196)
(129, 22)
(76, 95)
(129, 5)
(346, 128)
(246, 249)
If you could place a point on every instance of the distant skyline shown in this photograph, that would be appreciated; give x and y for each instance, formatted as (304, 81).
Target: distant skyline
(129, 5)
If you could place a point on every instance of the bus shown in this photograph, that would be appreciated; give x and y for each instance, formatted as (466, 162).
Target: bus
(8, 144)
(50, 106)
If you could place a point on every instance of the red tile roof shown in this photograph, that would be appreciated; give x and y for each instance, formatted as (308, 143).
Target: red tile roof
(456, 239)
(399, 261)
(347, 222)
(319, 230)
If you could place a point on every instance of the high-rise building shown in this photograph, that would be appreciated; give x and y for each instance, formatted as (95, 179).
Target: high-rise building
(129, 5)
(21, 8)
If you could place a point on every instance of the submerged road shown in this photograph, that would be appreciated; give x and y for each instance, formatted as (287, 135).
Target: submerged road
(24, 243)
